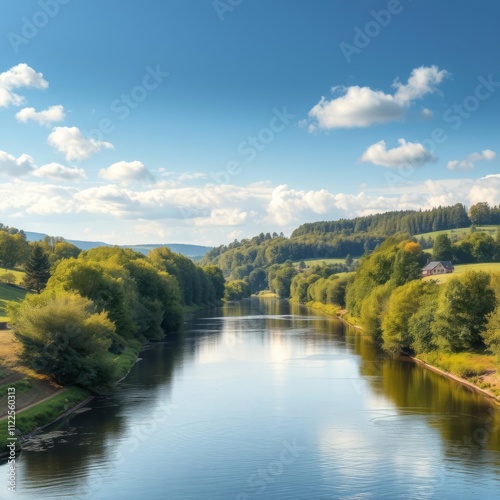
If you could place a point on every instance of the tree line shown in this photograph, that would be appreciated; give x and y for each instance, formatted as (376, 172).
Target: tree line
(94, 306)
(402, 312)
(358, 236)
(408, 221)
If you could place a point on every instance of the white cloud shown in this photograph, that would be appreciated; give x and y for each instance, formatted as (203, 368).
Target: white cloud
(362, 106)
(16, 167)
(358, 107)
(73, 144)
(207, 213)
(56, 171)
(422, 81)
(406, 154)
(126, 172)
(469, 162)
(47, 116)
(223, 217)
(20, 76)
(286, 204)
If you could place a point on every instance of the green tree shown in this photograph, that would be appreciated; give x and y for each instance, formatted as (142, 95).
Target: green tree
(480, 214)
(107, 284)
(420, 326)
(237, 290)
(462, 313)
(9, 278)
(492, 331)
(37, 269)
(257, 280)
(403, 303)
(217, 278)
(373, 309)
(442, 248)
(64, 338)
(406, 268)
(13, 249)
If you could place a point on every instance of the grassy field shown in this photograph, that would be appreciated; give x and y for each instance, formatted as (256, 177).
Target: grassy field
(492, 230)
(7, 293)
(315, 262)
(493, 267)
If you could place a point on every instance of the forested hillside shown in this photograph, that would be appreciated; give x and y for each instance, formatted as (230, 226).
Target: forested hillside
(355, 237)
(408, 221)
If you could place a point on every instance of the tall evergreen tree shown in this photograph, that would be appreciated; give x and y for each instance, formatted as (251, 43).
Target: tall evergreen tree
(37, 269)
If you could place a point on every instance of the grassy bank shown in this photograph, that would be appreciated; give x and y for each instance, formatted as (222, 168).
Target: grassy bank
(44, 413)
(8, 293)
(477, 369)
(38, 401)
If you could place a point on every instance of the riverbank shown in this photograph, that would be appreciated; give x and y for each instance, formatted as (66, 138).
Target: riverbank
(49, 403)
(44, 411)
(475, 371)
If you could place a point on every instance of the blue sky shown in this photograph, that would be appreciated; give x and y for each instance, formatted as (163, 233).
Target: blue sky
(202, 121)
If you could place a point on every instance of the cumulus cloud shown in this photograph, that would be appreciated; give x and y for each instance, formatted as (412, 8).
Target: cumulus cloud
(422, 81)
(73, 144)
(47, 116)
(208, 212)
(469, 162)
(20, 76)
(406, 154)
(363, 106)
(16, 167)
(56, 171)
(223, 217)
(126, 172)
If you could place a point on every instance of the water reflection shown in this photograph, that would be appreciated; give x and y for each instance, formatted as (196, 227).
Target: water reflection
(201, 414)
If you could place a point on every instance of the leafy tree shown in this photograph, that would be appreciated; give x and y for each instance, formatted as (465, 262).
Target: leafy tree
(462, 313)
(420, 326)
(217, 278)
(9, 278)
(257, 280)
(442, 248)
(403, 303)
(108, 285)
(37, 269)
(237, 290)
(492, 331)
(373, 309)
(480, 214)
(300, 287)
(64, 338)
(348, 260)
(13, 249)
(64, 250)
(406, 267)
(281, 281)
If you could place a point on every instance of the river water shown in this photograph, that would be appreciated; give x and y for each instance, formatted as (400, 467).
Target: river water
(266, 400)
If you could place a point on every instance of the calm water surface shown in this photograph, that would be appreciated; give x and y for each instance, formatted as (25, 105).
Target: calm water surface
(264, 400)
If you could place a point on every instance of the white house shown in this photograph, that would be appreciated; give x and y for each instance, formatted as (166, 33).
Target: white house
(438, 267)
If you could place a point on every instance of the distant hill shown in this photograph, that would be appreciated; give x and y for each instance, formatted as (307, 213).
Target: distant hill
(193, 251)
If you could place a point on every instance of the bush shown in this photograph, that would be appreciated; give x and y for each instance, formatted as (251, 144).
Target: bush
(9, 278)
(64, 338)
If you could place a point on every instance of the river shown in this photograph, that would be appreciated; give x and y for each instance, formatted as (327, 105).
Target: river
(267, 400)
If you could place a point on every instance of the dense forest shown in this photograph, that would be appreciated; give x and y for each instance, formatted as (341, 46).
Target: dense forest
(408, 221)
